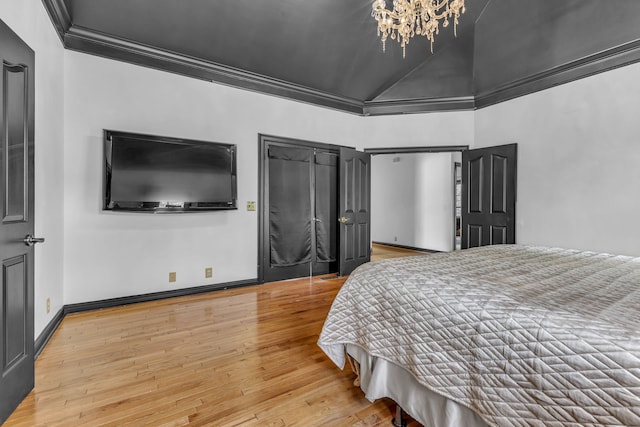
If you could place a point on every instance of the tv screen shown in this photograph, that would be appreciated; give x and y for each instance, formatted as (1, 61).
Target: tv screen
(161, 174)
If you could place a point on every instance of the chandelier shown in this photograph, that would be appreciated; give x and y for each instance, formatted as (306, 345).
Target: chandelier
(414, 17)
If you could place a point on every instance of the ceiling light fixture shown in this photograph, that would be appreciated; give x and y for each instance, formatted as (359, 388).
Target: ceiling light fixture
(414, 17)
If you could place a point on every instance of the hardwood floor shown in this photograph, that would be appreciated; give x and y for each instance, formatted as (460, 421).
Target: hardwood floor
(241, 357)
(380, 251)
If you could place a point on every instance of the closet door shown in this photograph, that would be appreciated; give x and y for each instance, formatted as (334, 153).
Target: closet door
(299, 226)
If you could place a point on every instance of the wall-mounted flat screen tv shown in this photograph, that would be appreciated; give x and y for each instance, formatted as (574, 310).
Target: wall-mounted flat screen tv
(149, 173)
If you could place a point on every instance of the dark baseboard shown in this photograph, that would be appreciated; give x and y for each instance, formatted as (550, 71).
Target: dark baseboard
(413, 248)
(48, 331)
(133, 299)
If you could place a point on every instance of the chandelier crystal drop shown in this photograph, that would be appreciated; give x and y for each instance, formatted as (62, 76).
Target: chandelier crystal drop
(415, 17)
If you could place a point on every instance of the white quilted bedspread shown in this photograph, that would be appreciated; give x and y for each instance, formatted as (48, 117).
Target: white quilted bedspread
(524, 336)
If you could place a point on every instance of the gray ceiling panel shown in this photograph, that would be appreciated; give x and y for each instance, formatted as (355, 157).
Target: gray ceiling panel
(445, 74)
(516, 39)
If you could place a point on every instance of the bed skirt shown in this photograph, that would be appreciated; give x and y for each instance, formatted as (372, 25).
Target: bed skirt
(379, 378)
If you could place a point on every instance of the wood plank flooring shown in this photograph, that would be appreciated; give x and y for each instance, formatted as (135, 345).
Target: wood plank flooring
(241, 357)
(381, 251)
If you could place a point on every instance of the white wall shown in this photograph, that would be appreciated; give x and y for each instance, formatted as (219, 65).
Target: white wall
(393, 183)
(30, 21)
(434, 195)
(411, 130)
(412, 200)
(578, 161)
(113, 254)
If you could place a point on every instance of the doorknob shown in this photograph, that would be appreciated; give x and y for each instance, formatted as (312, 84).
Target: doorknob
(29, 240)
(317, 220)
(343, 219)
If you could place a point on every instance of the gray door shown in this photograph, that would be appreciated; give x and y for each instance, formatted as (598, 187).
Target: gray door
(489, 196)
(355, 209)
(16, 220)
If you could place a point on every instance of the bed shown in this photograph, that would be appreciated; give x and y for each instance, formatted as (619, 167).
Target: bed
(502, 335)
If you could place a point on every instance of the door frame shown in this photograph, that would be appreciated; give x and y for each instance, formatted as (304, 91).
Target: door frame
(457, 166)
(264, 140)
(417, 150)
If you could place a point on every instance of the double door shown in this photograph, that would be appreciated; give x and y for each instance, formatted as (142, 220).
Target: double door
(314, 209)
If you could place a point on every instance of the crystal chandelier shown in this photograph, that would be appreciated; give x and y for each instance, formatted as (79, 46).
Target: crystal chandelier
(414, 17)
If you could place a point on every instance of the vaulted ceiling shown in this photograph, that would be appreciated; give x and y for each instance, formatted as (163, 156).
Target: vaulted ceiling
(326, 52)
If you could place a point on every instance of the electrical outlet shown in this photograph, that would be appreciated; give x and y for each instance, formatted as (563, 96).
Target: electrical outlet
(208, 272)
(48, 305)
(172, 276)
(251, 206)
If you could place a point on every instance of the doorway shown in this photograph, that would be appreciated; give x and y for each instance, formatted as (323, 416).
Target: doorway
(413, 197)
(484, 190)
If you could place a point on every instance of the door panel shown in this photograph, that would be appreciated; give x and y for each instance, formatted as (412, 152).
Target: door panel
(14, 78)
(364, 244)
(15, 297)
(475, 181)
(473, 236)
(498, 235)
(489, 196)
(16, 199)
(499, 168)
(355, 209)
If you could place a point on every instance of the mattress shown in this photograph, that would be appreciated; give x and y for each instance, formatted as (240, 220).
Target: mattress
(523, 336)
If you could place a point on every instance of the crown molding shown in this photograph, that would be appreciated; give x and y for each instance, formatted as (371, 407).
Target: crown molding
(59, 15)
(409, 106)
(600, 62)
